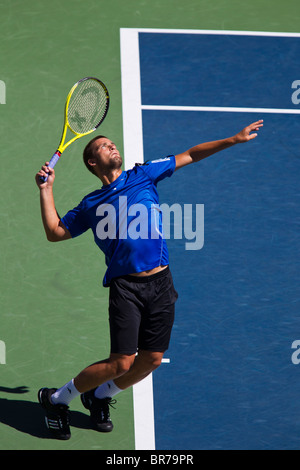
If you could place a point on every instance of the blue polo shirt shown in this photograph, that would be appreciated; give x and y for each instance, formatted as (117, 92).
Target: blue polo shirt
(126, 220)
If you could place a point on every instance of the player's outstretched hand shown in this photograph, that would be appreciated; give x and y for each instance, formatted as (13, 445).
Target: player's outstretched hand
(248, 132)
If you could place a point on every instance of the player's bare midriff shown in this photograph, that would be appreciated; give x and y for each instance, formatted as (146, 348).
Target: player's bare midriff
(150, 271)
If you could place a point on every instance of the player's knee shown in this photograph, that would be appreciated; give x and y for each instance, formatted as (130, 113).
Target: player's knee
(122, 364)
(152, 360)
(156, 362)
(123, 367)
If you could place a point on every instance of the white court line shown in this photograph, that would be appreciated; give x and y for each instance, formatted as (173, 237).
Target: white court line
(212, 31)
(131, 98)
(143, 406)
(220, 109)
(143, 409)
(133, 153)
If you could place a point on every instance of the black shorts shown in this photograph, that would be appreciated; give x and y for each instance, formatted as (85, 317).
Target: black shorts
(141, 312)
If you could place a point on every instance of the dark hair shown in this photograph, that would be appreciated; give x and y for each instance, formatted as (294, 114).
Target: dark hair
(89, 152)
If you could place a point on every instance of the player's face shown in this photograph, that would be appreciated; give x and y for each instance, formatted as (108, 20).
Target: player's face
(106, 154)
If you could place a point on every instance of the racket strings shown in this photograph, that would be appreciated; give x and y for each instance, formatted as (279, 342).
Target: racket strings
(87, 106)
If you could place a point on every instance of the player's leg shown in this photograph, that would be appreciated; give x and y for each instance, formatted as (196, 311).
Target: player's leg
(145, 363)
(56, 401)
(153, 299)
(99, 400)
(141, 317)
(124, 320)
(102, 371)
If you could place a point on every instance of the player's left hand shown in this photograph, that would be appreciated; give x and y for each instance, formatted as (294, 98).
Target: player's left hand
(248, 132)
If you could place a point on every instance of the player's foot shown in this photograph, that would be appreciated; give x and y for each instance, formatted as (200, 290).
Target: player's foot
(57, 416)
(99, 409)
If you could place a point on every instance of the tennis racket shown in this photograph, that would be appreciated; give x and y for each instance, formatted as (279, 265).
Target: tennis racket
(86, 108)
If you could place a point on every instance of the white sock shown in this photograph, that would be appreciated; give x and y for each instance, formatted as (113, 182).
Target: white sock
(65, 394)
(108, 389)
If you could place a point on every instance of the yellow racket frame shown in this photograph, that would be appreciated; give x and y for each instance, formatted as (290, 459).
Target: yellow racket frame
(63, 145)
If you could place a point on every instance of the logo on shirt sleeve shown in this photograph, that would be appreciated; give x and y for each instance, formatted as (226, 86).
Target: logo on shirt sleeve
(161, 160)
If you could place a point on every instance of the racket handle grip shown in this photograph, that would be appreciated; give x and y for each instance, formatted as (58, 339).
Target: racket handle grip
(52, 164)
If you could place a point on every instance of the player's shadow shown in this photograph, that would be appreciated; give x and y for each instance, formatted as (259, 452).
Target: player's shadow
(28, 417)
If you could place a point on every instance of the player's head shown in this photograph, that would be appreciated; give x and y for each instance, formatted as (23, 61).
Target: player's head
(101, 155)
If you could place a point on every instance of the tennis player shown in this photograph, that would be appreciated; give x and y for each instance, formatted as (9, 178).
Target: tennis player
(141, 291)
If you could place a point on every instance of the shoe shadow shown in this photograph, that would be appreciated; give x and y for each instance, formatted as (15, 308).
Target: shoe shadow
(28, 417)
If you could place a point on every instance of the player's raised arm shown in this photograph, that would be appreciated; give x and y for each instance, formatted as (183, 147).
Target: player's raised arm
(54, 229)
(201, 151)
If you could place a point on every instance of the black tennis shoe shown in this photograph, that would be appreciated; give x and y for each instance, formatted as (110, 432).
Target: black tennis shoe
(57, 416)
(99, 409)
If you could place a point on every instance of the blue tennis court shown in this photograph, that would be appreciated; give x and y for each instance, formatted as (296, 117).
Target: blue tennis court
(230, 383)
